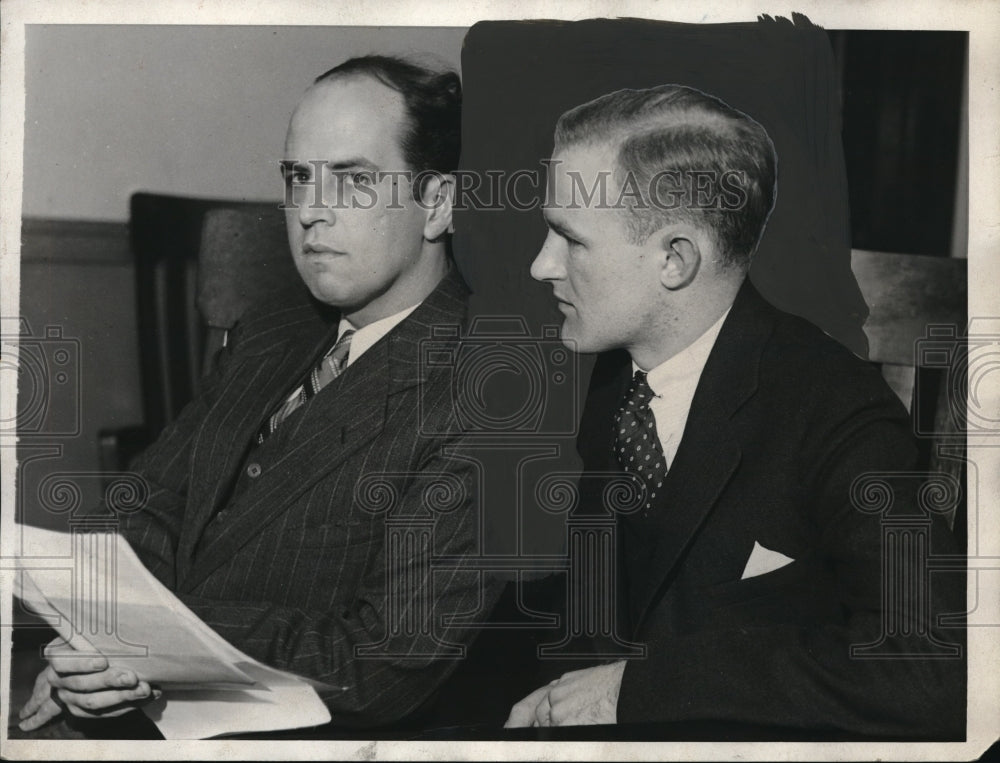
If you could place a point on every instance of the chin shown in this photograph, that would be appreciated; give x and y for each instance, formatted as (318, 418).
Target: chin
(579, 340)
(332, 297)
(573, 339)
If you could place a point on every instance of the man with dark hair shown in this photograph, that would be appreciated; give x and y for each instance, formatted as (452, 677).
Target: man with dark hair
(755, 583)
(431, 135)
(272, 495)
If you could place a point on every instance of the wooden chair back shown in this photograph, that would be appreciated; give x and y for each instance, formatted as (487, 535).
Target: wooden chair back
(916, 327)
(166, 237)
(242, 259)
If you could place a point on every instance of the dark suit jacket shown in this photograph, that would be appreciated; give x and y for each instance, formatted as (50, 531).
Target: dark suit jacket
(783, 421)
(282, 548)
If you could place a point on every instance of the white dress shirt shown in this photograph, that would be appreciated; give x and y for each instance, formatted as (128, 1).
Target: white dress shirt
(365, 337)
(673, 383)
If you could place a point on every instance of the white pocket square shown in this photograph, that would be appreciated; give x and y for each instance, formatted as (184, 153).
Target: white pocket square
(763, 560)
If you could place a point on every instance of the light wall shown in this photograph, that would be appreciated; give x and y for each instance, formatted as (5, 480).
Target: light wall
(110, 110)
(193, 110)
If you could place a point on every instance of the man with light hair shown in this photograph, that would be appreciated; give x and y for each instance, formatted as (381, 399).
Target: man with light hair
(754, 582)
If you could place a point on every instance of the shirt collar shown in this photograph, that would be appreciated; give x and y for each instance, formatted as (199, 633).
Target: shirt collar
(367, 336)
(687, 364)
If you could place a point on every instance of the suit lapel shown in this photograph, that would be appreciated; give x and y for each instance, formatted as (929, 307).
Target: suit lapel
(338, 421)
(259, 383)
(708, 456)
(709, 451)
(341, 419)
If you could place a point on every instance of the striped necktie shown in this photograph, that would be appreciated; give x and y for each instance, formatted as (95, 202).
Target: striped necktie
(325, 371)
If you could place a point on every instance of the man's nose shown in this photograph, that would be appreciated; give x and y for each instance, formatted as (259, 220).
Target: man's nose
(548, 263)
(312, 205)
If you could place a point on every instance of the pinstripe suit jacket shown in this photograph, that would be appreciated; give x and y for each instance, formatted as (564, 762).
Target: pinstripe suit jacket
(282, 548)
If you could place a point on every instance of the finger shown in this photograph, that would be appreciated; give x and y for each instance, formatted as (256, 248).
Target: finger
(41, 692)
(562, 692)
(574, 674)
(44, 713)
(109, 713)
(568, 702)
(112, 678)
(574, 705)
(116, 710)
(561, 713)
(523, 712)
(543, 711)
(75, 650)
(574, 677)
(102, 703)
(65, 660)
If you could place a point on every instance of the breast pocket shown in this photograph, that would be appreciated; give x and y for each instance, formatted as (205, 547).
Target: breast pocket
(782, 581)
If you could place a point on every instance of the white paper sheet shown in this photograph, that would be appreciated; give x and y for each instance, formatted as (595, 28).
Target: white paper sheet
(98, 595)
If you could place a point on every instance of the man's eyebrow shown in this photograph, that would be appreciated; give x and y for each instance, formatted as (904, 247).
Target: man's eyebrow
(351, 164)
(341, 165)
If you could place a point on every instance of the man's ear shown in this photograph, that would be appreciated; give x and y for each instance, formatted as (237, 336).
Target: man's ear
(437, 199)
(681, 251)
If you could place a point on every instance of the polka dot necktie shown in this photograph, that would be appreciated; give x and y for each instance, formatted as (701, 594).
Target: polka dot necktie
(637, 447)
(329, 367)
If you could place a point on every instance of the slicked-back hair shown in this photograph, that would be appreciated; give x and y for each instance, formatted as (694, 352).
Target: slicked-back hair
(672, 131)
(431, 140)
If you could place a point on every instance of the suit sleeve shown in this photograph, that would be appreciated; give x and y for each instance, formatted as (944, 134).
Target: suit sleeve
(375, 655)
(792, 675)
(398, 618)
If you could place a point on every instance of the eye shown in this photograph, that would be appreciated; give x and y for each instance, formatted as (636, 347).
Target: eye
(570, 241)
(297, 177)
(363, 177)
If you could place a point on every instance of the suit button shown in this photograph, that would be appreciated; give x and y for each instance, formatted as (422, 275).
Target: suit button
(253, 471)
(221, 515)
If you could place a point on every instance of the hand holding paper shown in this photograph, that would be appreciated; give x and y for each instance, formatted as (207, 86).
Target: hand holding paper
(129, 636)
(87, 686)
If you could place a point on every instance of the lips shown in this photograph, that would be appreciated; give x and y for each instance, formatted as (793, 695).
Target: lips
(314, 247)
